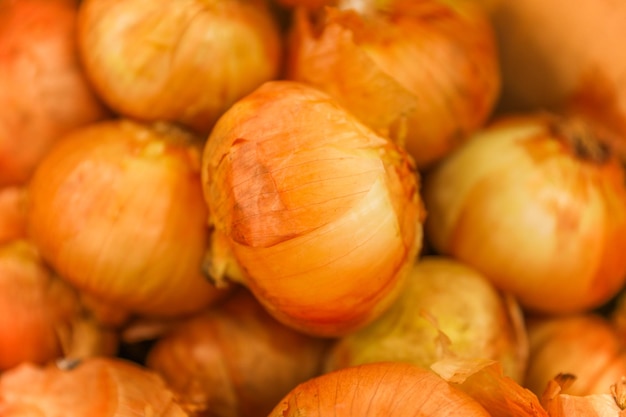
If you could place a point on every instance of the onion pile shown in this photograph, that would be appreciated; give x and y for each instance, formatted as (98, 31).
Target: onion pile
(233, 208)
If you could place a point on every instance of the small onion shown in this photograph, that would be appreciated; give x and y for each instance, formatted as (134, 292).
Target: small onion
(423, 72)
(375, 390)
(322, 216)
(43, 90)
(34, 305)
(182, 61)
(235, 360)
(95, 387)
(444, 298)
(584, 345)
(117, 209)
(537, 203)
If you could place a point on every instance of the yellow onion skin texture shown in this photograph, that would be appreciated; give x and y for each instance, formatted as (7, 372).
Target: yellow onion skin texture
(99, 387)
(444, 299)
(538, 204)
(423, 72)
(116, 208)
(322, 216)
(376, 390)
(44, 92)
(182, 61)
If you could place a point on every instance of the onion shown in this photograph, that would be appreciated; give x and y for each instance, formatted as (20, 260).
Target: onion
(552, 54)
(182, 61)
(33, 304)
(444, 299)
(235, 360)
(12, 213)
(377, 389)
(585, 345)
(321, 216)
(43, 89)
(117, 209)
(98, 387)
(423, 72)
(537, 203)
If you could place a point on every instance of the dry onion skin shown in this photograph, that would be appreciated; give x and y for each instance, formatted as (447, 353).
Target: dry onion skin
(586, 346)
(444, 299)
(376, 390)
(425, 72)
(117, 209)
(559, 404)
(43, 89)
(322, 216)
(235, 360)
(537, 203)
(182, 61)
(98, 387)
(12, 213)
(34, 306)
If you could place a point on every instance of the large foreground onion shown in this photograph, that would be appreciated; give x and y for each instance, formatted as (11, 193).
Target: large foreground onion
(447, 309)
(423, 72)
(322, 216)
(378, 389)
(117, 209)
(96, 387)
(43, 90)
(183, 61)
(538, 204)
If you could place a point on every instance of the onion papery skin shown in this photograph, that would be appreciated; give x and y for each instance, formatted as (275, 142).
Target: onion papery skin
(43, 88)
(34, 305)
(585, 345)
(117, 209)
(376, 390)
(537, 204)
(425, 73)
(322, 215)
(98, 387)
(182, 61)
(235, 360)
(448, 297)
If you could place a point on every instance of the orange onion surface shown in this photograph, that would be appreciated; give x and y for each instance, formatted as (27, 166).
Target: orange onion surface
(537, 203)
(375, 390)
(235, 360)
(424, 72)
(182, 61)
(12, 213)
(117, 209)
(553, 55)
(43, 89)
(34, 306)
(321, 215)
(97, 387)
(584, 345)
(444, 299)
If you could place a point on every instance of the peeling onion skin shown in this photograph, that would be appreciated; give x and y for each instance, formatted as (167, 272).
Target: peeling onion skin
(537, 204)
(585, 345)
(183, 61)
(34, 304)
(425, 72)
(235, 360)
(378, 389)
(117, 209)
(322, 216)
(98, 387)
(43, 88)
(443, 295)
